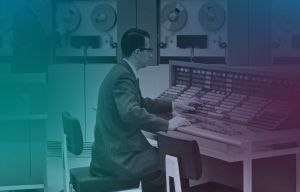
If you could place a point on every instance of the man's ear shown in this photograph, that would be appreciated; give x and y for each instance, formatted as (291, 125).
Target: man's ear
(137, 53)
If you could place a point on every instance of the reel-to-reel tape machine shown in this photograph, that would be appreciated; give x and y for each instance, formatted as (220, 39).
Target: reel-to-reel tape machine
(211, 17)
(67, 14)
(286, 17)
(103, 18)
(173, 16)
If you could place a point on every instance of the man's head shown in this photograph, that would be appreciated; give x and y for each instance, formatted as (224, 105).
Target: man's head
(36, 5)
(135, 45)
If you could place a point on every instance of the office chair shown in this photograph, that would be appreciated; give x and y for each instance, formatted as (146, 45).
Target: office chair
(80, 179)
(180, 157)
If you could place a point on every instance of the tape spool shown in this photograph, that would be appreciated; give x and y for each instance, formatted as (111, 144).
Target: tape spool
(103, 17)
(287, 15)
(6, 18)
(211, 16)
(173, 16)
(67, 14)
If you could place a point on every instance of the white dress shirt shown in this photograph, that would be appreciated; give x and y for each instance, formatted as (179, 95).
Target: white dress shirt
(133, 68)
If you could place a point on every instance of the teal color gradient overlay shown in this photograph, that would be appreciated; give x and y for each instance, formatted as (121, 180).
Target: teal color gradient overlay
(23, 129)
(24, 99)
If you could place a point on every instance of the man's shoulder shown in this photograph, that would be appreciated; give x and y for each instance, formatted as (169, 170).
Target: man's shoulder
(118, 73)
(120, 70)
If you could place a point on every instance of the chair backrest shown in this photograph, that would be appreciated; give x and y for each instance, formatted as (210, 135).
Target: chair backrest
(187, 152)
(72, 129)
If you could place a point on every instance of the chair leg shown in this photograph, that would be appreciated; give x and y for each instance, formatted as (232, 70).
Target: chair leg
(172, 170)
(65, 171)
(71, 187)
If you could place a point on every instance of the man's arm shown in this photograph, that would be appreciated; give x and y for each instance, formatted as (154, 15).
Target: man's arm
(157, 105)
(127, 99)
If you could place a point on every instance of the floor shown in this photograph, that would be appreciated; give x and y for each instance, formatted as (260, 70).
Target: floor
(54, 172)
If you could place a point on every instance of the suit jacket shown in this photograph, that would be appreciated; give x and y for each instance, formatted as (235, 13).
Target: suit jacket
(120, 150)
(31, 43)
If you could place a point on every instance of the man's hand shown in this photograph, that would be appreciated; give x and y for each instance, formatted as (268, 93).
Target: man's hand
(63, 29)
(185, 105)
(178, 122)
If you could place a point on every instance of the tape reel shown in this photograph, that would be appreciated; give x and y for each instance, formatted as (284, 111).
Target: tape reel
(67, 14)
(173, 16)
(287, 15)
(103, 17)
(211, 16)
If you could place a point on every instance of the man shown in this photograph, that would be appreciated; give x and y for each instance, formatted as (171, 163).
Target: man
(30, 41)
(120, 150)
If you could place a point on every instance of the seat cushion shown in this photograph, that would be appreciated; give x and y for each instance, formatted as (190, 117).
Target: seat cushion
(211, 187)
(83, 181)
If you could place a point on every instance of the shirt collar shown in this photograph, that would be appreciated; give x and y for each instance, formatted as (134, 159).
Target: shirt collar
(31, 9)
(133, 68)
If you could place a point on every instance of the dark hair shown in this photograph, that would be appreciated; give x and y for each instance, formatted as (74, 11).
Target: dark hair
(133, 39)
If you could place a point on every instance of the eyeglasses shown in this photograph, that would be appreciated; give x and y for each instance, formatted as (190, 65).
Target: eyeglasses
(148, 49)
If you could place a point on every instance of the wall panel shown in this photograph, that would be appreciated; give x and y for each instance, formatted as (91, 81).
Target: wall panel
(260, 13)
(126, 11)
(237, 17)
(64, 92)
(147, 20)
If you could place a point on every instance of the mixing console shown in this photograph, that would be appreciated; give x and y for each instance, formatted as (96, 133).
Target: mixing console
(231, 102)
